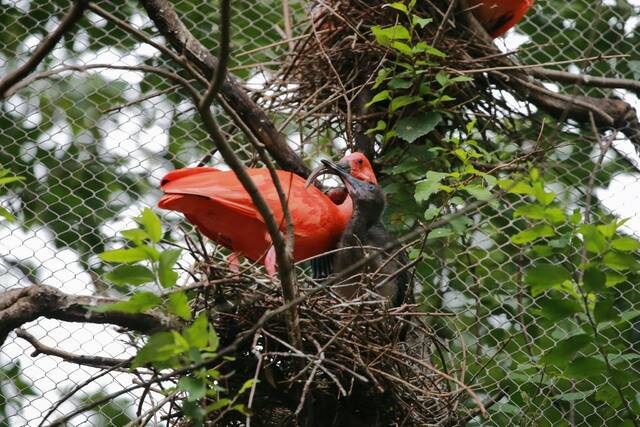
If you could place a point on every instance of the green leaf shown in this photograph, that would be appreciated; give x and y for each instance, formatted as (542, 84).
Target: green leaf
(135, 235)
(219, 404)
(385, 36)
(575, 396)
(537, 232)
(403, 101)
(594, 280)
(403, 48)
(594, 241)
(380, 78)
(178, 304)
(214, 340)
(195, 387)
(620, 262)
(614, 279)
(380, 96)
(242, 408)
(531, 211)
(480, 193)
(554, 215)
(414, 127)
(151, 223)
(421, 22)
(159, 348)
(556, 309)
(608, 230)
(380, 126)
(604, 312)
(167, 276)
(543, 197)
(124, 256)
(246, 386)
(139, 302)
(625, 244)
(430, 185)
(398, 6)
(440, 233)
(514, 187)
(585, 367)
(130, 275)
(562, 353)
(10, 179)
(6, 214)
(607, 393)
(546, 276)
(196, 334)
(398, 83)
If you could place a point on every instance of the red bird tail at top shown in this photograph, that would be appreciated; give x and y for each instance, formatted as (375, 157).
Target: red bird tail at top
(499, 16)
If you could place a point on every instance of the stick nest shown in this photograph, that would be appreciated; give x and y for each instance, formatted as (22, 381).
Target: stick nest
(332, 69)
(363, 363)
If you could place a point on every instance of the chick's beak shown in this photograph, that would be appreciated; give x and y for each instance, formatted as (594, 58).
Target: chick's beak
(328, 167)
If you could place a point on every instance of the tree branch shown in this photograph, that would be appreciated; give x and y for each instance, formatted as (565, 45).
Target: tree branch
(585, 79)
(45, 47)
(171, 27)
(608, 113)
(95, 361)
(223, 57)
(19, 306)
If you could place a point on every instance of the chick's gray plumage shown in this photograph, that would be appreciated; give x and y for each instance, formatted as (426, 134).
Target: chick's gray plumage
(363, 233)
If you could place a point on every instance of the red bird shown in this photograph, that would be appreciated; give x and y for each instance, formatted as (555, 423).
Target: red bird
(218, 205)
(498, 16)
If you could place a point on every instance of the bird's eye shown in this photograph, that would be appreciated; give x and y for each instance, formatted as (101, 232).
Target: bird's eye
(360, 161)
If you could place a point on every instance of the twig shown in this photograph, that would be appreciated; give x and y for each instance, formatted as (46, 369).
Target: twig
(585, 79)
(169, 24)
(223, 57)
(95, 361)
(45, 47)
(73, 391)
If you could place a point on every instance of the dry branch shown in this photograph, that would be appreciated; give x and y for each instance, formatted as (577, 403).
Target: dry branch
(607, 112)
(45, 47)
(94, 361)
(177, 34)
(19, 306)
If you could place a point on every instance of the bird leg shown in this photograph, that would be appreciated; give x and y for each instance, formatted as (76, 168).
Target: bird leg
(270, 263)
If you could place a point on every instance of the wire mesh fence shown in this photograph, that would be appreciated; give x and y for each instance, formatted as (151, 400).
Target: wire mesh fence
(92, 134)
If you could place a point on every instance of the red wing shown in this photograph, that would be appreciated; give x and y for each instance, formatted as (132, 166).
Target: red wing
(221, 187)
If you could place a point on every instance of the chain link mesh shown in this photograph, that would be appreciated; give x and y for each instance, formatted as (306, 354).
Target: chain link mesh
(93, 144)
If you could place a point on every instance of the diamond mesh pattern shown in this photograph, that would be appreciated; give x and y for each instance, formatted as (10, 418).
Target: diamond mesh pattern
(93, 144)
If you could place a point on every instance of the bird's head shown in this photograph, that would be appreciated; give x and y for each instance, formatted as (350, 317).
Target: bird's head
(359, 167)
(368, 198)
(355, 164)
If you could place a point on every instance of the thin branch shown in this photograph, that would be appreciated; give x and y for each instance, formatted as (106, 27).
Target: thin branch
(45, 47)
(223, 57)
(95, 361)
(77, 388)
(585, 79)
(173, 29)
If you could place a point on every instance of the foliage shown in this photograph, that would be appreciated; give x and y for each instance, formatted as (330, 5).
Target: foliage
(194, 347)
(14, 390)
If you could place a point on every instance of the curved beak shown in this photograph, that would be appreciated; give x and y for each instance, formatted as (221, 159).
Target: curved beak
(327, 167)
(354, 186)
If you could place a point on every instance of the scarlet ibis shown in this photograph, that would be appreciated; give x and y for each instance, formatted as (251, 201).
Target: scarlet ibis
(365, 229)
(498, 16)
(218, 205)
